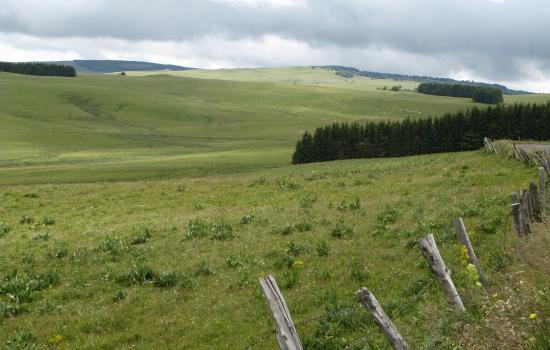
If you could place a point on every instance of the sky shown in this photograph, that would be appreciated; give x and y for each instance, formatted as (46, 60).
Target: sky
(503, 41)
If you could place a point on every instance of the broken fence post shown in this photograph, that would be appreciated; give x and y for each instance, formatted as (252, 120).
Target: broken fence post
(437, 265)
(286, 334)
(462, 235)
(534, 202)
(370, 303)
(516, 219)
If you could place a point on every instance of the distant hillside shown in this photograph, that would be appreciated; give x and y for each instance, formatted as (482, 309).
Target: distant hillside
(108, 66)
(350, 72)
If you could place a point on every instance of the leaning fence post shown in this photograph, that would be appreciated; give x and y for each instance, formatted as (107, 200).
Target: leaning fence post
(462, 235)
(516, 219)
(369, 301)
(286, 334)
(435, 261)
(534, 202)
(542, 189)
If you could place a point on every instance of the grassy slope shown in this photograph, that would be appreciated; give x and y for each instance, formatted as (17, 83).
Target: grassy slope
(288, 75)
(53, 129)
(225, 310)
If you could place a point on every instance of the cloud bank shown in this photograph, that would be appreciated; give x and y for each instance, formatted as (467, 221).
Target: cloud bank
(492, 40)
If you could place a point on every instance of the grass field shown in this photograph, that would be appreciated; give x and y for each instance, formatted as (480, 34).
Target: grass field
(112, 128)
(139, 212)
(174, 264)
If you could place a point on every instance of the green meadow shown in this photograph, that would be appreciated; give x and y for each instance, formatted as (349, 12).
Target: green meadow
(138, 212)
(174, 264)
(113, 128)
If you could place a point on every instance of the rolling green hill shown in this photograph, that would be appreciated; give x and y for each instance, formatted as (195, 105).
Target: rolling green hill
(109, 128)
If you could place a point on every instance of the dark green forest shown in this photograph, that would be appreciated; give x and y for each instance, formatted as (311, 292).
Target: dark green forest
(453, 132)
(35, 68)
(481, 94)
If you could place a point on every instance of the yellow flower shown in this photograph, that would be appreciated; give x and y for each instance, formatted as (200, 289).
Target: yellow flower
(298, 263)
(55, 339)
(464, 254)
(533, 316)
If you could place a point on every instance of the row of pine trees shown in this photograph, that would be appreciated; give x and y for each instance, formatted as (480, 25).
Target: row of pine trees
(35, 68)
(460, 131)
(481, 94)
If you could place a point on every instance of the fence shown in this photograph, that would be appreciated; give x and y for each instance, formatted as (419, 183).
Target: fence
(525, 208)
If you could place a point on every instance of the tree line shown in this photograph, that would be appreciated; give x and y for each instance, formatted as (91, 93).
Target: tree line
(35, 68)
(482, 94)
(349, 72)
(453, 132)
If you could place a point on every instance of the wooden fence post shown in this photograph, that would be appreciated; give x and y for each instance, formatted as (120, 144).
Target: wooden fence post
(516, 219)
(542, 189)
(369, 301)
(286, 334)
(431, 253)
(534, 202)
(462, 235)
(525, 211)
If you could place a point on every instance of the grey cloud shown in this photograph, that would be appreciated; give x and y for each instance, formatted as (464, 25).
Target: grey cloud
(492, 39)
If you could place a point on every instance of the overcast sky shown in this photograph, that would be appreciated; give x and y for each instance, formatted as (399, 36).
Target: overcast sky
(505, 41)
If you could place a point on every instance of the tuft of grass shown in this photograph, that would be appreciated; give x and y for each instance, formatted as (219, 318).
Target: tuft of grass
(352, 206)
(137, 275)
(358, 271)
(22, 340)
(341, 230)
(303, 226)
(322, 248)
(388, 215)
(4, 229)
(221, 231)
(25, 219)
(294, 249)
(196, 228)
(290, 279)
(141, 237)
(166, 279)
(286, 183)
(47, 221)
(202, 270)
(284, 231)
(308, 200)
(248, 219)
(118, 296)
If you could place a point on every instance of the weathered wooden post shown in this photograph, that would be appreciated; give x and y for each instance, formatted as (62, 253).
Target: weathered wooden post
(286, 334)
(462, 235)
(525, 211)
(516, 219)
(542, 193)
(431, 253)
(534, 202)
(369, 301)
